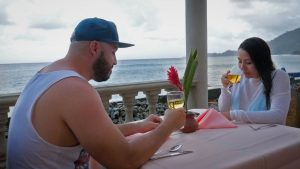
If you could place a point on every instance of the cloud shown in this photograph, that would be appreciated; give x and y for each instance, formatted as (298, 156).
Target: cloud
(140, 13)
(165, 39)
(268, 18)
(26, 36)
(156, 27)
(252, 3)
(236, 20)
(47, 25)
(4, 19)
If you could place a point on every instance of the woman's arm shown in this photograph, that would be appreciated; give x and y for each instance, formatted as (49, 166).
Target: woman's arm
(225, 97)
(224, 101)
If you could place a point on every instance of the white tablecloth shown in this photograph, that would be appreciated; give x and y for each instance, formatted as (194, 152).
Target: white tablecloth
(234, 148)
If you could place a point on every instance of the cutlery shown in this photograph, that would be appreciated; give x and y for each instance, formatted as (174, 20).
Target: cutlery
(155, 157)
(263, 126)
(171, 149)
(175, 148)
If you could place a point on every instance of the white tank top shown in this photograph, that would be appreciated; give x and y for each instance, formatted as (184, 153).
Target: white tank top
(25, 148)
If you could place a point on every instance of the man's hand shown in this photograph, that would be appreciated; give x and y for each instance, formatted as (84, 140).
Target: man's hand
(174, 118)
(151, 122)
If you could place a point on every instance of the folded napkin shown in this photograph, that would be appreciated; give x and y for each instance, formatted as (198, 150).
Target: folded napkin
(212, 119)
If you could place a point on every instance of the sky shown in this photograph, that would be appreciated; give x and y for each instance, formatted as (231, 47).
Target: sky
(39, 30)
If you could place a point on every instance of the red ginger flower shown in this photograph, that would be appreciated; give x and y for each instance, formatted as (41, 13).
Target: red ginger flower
(174, 78)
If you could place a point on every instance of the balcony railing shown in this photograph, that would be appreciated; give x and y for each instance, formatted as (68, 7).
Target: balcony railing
(128, 92)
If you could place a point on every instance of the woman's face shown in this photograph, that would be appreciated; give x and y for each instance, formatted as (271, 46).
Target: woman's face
(246, 64)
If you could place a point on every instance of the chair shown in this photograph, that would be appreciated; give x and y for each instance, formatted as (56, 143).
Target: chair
(293, 117)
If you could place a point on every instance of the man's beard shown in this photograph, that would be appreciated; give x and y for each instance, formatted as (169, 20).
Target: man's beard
(101, 68)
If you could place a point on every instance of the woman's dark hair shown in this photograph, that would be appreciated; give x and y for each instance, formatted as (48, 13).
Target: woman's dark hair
(260, 55)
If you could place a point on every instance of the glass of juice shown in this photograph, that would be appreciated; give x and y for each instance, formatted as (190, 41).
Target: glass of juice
(234, 76)
(175, 99)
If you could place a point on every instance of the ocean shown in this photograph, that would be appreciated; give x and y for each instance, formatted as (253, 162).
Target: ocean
(15, 76)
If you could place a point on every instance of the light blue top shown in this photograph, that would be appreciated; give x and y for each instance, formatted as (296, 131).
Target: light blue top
(247, 101)
(258, 102)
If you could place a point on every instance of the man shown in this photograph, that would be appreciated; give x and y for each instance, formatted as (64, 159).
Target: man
(59, 120)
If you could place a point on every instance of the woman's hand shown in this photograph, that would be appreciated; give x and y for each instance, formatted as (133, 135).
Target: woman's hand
(225, 82)
(227, 115)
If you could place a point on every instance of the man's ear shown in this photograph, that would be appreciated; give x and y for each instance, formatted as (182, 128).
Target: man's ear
(95, 47)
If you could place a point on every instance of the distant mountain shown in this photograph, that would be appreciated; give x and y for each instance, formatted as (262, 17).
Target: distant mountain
(286, 43)
(226, 53)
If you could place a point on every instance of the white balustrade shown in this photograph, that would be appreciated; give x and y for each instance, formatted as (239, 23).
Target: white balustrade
(3, 120)
(105, 97)
(152, 98)
(127, 91)
(5, 102)
(129, 101)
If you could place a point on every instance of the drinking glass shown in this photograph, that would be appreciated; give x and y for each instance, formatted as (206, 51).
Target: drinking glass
(234, 76)
(175, 99)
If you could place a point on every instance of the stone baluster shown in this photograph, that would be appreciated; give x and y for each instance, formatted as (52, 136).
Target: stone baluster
(105, 97)
(129, 101)
(152, 98)
(169, 89)
(3, 121)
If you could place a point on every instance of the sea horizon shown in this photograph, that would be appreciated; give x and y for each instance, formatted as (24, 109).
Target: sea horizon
(209, 55)
(39, 62)
(14, 76)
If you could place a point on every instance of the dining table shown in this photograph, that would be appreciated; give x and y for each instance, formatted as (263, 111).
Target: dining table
(247, 146)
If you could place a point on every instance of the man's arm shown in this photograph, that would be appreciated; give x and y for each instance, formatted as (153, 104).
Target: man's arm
(84, 114)
(142, 126)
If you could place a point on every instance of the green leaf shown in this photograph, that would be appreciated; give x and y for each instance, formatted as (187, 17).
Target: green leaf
(190, 78)
(192, 57)
(189, 74)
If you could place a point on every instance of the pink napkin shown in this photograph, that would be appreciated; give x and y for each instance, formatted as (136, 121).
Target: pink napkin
(212, 119)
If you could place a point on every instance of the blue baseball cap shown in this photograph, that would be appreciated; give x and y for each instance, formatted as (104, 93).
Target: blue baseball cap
(99, 30)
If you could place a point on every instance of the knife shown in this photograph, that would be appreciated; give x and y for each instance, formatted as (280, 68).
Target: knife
(155, 157)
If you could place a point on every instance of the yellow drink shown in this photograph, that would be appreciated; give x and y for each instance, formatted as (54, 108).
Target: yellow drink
(234, 78)
(175, 103)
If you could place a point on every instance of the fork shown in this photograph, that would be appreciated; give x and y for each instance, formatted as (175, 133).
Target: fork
(263, 126)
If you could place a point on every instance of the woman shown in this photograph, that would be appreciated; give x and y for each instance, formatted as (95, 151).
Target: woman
(263, 94)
